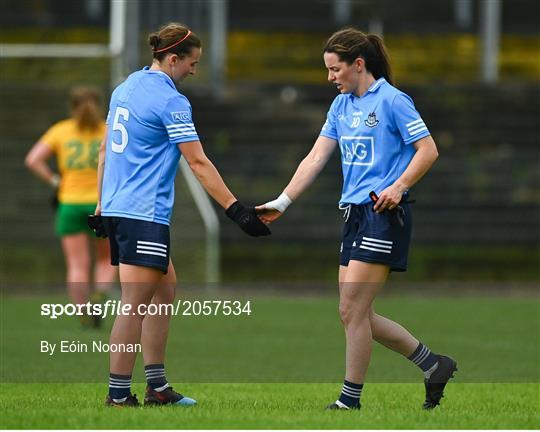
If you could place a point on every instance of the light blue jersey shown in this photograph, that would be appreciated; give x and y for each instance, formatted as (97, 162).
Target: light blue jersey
(375, 133)
(147, 120)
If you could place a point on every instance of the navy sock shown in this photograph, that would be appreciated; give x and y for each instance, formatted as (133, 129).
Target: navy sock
(424, 359)
(350, 394)
(119, 387)
(155, 376)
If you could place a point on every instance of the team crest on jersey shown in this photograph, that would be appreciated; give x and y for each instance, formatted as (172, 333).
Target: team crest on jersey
(371, 120)
(180, 115)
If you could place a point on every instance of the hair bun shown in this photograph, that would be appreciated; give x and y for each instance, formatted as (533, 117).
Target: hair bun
(154, 40)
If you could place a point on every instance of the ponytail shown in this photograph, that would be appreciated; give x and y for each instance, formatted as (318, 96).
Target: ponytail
(86, 108)
(350, 43)
(381, 64)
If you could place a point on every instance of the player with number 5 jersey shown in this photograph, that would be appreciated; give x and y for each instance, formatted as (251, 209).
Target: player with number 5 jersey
(146, 127)
(149, 127)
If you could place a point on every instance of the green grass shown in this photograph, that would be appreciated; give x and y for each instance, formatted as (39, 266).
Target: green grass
(273, 263)
(289, 340)
(275, 406)
(280, 366)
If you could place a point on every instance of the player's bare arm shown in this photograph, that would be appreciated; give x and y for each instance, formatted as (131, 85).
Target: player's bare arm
(210, 179)
(36, 161)
(206, 173)
(305, 175)
(100, 169)
(425, 156)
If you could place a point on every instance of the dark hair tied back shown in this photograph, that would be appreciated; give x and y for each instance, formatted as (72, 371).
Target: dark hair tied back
(154, 41)
(173, 38)
(349, 44)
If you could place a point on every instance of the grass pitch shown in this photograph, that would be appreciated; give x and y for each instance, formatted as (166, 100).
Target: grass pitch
(274, 406)
(280, 367)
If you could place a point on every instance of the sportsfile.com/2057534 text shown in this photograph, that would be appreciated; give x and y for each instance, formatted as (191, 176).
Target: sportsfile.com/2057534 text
(180, 307)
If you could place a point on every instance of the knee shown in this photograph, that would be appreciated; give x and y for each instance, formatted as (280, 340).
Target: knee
(168, 297)
(351, 312)
(344, 312)
(103, 264)
(371, 316)
(165, 294)
(137, 301)
(104, 272)
(77, 274)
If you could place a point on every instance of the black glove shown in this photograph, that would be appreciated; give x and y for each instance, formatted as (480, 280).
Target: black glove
(53, 200)
(246, 218)
(95, 223)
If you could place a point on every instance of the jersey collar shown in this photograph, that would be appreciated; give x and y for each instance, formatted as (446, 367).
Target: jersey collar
(373, 88)
(167, 77)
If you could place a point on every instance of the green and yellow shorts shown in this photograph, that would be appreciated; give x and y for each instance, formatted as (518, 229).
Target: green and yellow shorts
(71, 218)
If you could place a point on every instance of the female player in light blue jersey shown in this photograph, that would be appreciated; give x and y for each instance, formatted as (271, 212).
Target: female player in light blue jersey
(386, 148)
(149, 127)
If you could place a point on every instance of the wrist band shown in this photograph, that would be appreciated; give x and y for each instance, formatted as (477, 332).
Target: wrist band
(280, 203)
(55, 180)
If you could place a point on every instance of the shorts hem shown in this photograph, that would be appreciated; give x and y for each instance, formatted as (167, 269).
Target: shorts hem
(393, 267)
(144, 264)
(79, 231)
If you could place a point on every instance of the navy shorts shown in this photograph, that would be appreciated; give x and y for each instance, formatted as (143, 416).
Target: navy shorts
(376, 237)
(138, 242)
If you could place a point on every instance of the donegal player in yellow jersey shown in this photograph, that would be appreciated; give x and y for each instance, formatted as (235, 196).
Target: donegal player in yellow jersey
(75, 142)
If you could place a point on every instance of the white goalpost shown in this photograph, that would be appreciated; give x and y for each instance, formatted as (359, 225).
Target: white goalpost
(115, 50)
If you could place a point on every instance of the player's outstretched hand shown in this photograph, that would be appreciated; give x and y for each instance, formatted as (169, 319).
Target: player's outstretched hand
(246, 218)
(267, 215)
(95, 223)
(270, 211)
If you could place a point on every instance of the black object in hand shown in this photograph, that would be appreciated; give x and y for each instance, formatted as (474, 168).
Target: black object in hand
(53, 200)
(246, 218)
(398, 214)
(95, 223)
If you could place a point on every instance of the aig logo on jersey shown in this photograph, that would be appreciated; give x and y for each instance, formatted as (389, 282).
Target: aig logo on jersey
(180, 115)
(371, 120)
(357, 150)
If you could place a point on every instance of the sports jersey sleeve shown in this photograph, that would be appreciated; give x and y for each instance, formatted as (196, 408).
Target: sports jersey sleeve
(177, 119)
(329, 128)
(51, 137)
(408, 120)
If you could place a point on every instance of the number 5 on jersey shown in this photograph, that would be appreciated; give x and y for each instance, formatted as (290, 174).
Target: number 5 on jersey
(120, 116)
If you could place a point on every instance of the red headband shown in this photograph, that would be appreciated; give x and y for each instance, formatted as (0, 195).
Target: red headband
(174, 44)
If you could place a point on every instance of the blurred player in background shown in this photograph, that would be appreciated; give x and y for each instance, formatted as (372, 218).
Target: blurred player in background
(75, 142)
(386, 148)
(150, 126)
